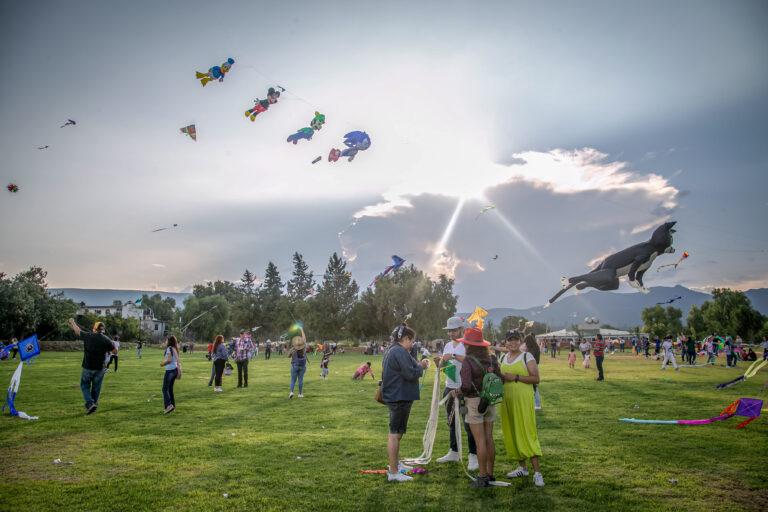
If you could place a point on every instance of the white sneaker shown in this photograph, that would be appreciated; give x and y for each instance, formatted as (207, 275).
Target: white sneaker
(451, 456)
(538, 480)
(301, 395)
(398, 477)
(403, 467)
(290, 395)
(520, 471)
(472, 464)
(217, 390)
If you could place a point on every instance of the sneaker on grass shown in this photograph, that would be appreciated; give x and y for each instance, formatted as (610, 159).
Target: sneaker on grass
(168, 409)
(538, 480)
(451, 456)
(472, 464)
(398, 477)
(520, 471)
(290, 395)
(91, 409)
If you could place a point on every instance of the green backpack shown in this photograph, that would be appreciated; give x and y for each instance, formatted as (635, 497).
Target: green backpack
(491, 390)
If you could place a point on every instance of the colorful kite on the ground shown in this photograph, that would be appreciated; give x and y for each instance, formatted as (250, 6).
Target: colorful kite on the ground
(397, 262)
(263, 105)
(191, 131)
(675, 264)
(477, 317)
(12, 188)
(306, 133)
(747, 407)
(163, 229)
(670, 301)
(355, 141)
(215, 72)
(751, 371)
(485, 209)
(70, 122)
(28, 349)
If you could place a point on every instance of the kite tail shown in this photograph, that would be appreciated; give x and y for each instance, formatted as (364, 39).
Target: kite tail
(705, 422)
(730, 383)
(649, 422)
(558, 294)
(754, 368)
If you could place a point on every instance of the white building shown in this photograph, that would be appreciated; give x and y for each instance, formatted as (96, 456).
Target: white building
(145, 316)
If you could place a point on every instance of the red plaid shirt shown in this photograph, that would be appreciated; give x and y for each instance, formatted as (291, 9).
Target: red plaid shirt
(598, 347)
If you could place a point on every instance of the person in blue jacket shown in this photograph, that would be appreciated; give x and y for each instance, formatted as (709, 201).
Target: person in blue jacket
(399, 388)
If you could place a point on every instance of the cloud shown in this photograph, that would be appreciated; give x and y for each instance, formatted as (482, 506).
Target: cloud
(158, 265)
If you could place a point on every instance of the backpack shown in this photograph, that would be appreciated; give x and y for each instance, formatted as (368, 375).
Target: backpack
(491, 390)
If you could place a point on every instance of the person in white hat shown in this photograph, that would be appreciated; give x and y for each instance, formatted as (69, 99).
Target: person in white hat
(453, 354)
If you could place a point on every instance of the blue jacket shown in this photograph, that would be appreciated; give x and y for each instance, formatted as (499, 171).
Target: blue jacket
(400, 375)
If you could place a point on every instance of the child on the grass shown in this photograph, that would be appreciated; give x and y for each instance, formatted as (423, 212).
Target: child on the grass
(572, 357)
(361, 372)
(324, 365)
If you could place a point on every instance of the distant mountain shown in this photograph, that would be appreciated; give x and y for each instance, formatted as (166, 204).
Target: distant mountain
(621, 310)
(96, 297)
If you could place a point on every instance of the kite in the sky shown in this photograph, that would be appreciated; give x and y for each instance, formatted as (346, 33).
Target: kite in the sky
(496, 257)
(12, 188)
(28, 349)
(70, 122)
(675, 264)
(215, 72)
(163, 229)
(43, 147)
(355, 141)
(670, 301)
(262, 105)
(397, 262)
(751, 371)
(306, 133)
(633, 262)
(191, 131)
(477, 318)
(317, 159)
(747, 407)
(485, 209)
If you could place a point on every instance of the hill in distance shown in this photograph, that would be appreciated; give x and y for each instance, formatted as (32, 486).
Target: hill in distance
(98, 297)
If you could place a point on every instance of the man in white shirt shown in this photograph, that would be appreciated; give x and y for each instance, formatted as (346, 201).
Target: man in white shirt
(669, 353)
(453, 354)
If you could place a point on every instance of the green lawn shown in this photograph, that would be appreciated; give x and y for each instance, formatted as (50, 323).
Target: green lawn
(269, 453)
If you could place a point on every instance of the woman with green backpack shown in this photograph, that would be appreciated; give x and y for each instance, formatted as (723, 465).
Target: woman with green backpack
(518, 418)
(481, 385)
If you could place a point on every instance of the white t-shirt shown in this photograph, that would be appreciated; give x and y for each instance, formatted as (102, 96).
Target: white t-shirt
(585, 346)
(456, 349)
(667, 346)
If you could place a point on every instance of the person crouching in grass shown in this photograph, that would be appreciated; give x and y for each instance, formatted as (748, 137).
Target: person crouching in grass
(399, 388)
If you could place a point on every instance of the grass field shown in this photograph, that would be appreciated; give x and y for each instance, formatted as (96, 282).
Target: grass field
(269, 453)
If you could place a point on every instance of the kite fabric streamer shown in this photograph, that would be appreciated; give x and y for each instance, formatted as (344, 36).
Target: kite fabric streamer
(751, 371)
(428, 440)
(28, 348)
(747, 407)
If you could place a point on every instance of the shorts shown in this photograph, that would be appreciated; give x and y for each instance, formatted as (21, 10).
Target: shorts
(473, 416)
(398, 416)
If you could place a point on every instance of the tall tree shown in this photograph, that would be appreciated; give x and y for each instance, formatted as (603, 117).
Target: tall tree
(246, 311)
(695, 323)
(302, 283)
(206, 317)
(659, 321)
(731, 313)
(270, 296)
(335, 299)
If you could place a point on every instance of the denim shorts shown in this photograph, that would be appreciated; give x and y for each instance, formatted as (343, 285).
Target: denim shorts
(398, 416)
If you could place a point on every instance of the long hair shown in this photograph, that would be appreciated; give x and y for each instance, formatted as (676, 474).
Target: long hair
(219, 340)
(532, 346)
(482, 354)
(172, 343)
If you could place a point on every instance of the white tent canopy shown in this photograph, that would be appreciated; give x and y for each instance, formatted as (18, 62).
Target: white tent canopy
(562, 333)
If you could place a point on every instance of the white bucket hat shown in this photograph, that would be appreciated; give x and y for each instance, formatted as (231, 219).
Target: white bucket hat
(455, 322)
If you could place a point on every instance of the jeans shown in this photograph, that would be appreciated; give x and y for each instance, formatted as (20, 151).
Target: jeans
(452, 428)
(168, 380)
(267, 353)
(138, 353)
(90, 385)
(113, 357)
(599, 362)
(297, 372)
(242, 373)
(218, 366)
(692, 357)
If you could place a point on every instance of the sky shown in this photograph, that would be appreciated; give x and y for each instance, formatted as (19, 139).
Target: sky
(585, 124)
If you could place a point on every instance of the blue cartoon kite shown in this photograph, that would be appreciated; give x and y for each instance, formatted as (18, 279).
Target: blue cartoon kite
(355, 142)
(397, 262)
(28, 349)
(215, 72)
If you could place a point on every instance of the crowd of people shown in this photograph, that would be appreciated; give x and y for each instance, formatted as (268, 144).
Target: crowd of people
(476, 378)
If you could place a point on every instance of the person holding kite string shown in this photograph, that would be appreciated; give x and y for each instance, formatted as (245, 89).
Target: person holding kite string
(400, 376)
(95, 346)
(453, 356)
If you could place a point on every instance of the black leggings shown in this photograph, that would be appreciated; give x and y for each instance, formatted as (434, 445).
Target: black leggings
(218, 365)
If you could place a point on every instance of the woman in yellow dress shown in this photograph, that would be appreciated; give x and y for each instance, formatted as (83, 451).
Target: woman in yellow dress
(518, 418)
